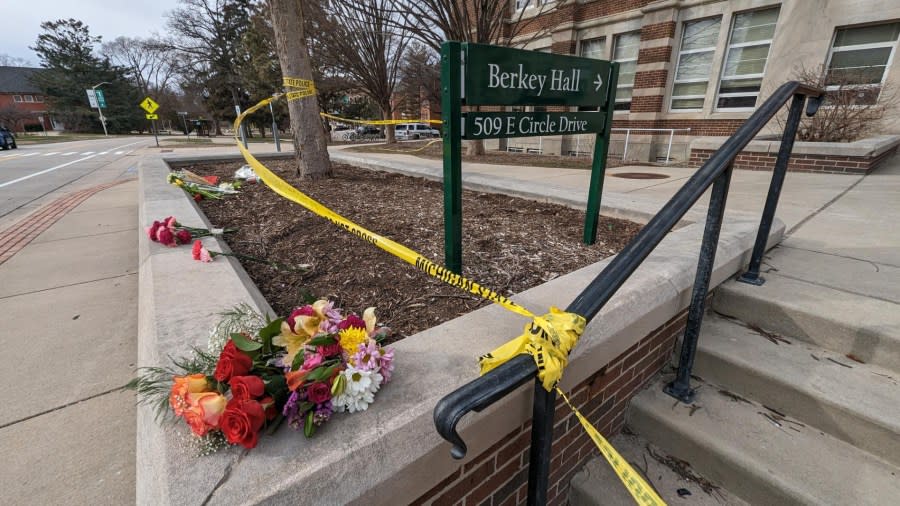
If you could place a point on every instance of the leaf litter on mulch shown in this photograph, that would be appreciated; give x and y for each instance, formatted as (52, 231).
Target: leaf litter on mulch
(509, 244)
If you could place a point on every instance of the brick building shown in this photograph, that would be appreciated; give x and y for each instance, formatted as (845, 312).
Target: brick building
(21, 102)
(705, 64)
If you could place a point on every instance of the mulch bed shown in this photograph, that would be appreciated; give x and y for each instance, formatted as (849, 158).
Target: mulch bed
(509, 244)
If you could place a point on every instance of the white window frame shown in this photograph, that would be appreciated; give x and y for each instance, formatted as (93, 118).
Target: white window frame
(29, 99)
(17, 98)
(39, 99)
(874, 45)
(592, 39)
(731, 46)
(625, 60)
(675, 80)
(521, 5)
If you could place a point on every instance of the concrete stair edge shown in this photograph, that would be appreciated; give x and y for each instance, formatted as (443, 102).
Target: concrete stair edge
(857, 403)
(733, 444)
(844, 322)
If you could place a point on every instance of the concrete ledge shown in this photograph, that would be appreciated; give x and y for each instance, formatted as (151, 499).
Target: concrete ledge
(390, 454)
(868, 147)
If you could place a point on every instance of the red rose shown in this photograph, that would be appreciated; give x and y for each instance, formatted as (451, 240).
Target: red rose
(183, 236)
(198, 197)
(318, 392)
(232, 362)
(241, 421)
(247, 387)
(306, 310)
(268, 404)
(195, 251)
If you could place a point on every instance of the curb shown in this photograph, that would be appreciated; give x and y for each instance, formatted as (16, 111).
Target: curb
(20, 234)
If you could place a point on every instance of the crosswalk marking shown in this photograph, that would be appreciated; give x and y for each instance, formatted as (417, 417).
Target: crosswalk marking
(119, 152)
(103, 153)
(51, 153)
(70, 153)
(88, 153)
(29, 154)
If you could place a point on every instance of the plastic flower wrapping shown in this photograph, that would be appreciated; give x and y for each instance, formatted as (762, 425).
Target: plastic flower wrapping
(255, 374)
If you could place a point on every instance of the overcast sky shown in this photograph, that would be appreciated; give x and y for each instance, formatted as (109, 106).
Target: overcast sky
(108, 18)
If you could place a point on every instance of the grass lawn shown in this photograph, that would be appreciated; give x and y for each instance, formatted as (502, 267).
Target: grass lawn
(25, 140)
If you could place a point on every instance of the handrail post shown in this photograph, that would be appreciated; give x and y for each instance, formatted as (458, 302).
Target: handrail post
(752, 276)
(543, 412)
(625, 149)
(681, 387)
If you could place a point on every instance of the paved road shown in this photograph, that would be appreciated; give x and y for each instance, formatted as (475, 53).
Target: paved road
(31, 172)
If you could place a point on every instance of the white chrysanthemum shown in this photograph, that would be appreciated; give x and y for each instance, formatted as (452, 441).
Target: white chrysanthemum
(359, 391)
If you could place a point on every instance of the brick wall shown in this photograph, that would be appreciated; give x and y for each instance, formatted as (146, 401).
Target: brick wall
(578, 12)
(655, 54)
(499, 475)
(658, 31)
(650, 78)
(800, 162)
(651, 103)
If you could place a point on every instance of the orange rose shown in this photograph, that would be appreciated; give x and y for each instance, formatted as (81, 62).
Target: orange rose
(204, 410)
(184, 385)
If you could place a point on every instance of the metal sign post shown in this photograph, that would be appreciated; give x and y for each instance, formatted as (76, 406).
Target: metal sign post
(479, 74)
(149, 105)
(275, 129)
(237, 110)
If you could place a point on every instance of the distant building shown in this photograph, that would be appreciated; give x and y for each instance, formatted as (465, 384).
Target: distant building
(706, 64)
(22, 104)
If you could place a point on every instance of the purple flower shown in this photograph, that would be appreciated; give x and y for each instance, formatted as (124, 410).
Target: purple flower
(292, 412)
(387, 363)
(323, 413)
(332, 318)
(367, 358)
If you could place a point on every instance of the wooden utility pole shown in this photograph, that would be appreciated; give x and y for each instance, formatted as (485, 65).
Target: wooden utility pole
(310, 144)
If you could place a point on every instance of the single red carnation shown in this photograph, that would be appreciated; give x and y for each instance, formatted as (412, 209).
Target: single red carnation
(183, 236)
(195, 251)
(151, 231)
(232, 362)
(166, 236)
(247, 387)
(241, 421)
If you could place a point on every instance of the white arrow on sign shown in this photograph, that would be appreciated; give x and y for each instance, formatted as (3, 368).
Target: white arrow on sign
(598, 82)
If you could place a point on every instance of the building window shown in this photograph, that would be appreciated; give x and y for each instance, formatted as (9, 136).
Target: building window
(593, 48)
(29, 98)
(626, 52)
(745, 62)
(698, 44)
(521, 4)
(859, 58)
(17, 98)
(39, 98)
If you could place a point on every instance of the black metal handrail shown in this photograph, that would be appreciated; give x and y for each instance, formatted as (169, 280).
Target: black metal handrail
(484, 391)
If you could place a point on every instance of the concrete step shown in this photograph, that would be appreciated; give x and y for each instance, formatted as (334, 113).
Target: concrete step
(596, 484)
(857, 403)
(761, 457)
(850, 324)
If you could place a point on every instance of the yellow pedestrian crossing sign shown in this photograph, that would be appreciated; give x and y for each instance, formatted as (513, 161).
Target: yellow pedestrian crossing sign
(149, 105)
(153, 116)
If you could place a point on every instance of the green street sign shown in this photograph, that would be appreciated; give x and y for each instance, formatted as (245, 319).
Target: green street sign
(101, 100)
(491, 125)
(496, 75)
(479, 74)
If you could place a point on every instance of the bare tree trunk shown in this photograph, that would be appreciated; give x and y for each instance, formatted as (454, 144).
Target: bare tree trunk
(387, 113)
(310, 145)
(475, 148)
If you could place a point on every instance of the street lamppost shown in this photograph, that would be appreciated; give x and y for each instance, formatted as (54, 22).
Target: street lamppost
(99, 110)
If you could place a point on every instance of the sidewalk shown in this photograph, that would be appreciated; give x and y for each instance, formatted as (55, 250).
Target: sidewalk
(70, 292)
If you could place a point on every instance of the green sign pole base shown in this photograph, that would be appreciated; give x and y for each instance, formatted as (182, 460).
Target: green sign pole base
(598, 167)
(451, 109)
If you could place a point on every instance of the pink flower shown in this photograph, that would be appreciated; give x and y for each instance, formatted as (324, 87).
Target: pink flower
(195, 250)
(205, 255)
(306, 310)
(151, 230)
(183, 236)
(171, 222)
(312, 361)
(166, 237)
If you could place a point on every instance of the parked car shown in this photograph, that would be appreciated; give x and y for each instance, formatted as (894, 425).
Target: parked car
(408, 131)
(7, 139)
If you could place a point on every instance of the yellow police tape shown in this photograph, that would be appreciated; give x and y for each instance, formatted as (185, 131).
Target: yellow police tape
(548, 338)
(379, 121)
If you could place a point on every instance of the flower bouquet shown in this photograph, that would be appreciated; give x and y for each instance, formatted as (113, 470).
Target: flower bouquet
(199, 187)
(171, 233)
(257, 373)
